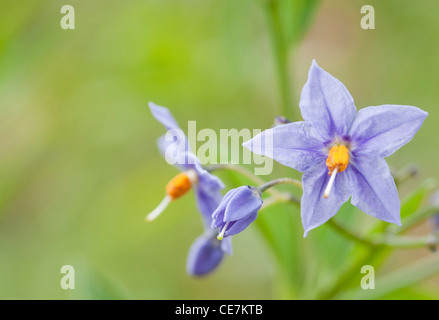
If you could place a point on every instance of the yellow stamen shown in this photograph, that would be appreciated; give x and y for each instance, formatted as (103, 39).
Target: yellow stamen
(338, 158)
(180, 184)
(177, 187)
(337, 161)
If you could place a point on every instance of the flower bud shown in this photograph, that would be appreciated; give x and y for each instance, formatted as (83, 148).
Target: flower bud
(236, 211)
(206, 253)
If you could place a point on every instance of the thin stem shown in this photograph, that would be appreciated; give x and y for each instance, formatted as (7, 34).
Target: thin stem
(276, 182)
(280, 50)
(281, 196)
(409, 242)
(268, 202)
(414, 218)
(350, 234)
(380, 241)
(239, 169)
(386, 240)
(347, 275)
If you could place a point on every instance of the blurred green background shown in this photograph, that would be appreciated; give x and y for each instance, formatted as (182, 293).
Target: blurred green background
(79, 168)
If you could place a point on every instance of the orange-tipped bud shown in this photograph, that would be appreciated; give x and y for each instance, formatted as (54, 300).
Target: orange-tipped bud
(180, 184)
(338, 158)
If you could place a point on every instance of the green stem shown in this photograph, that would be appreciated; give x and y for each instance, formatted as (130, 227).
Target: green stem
(385, 240)
(276, 182)
(280, 50)
(377, 251)
(236, 168)
(350, 235)
(381, 240)
(346, 276)
(377, 246)
(281, 196)
(414, 218)
(409, 242)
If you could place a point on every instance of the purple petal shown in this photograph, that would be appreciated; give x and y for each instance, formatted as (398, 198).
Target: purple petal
(226, 245)
(373, 189)
(206, 180)
(208, 192)
(327, 104)
(180, 153)
(240, 225)
(176, 152)
(218, 214)
(315, 209)
(174, 145)
(164, 116)
(294, 145)
(207, 202)
(204, 256)
(245, 202)
(384, 129)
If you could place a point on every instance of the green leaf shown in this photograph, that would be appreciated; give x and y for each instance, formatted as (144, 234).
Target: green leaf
(92, 284)
(280, 224)
(413, 294)
(296, 17)
(396, 280)
(413, 201)
(333, 252)
(99, 287)
(340, 247)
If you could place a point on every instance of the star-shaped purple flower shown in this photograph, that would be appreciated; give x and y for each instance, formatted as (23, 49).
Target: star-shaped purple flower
(341, 151)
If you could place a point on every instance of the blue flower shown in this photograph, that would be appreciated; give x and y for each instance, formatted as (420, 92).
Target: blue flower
(175, 147)
(237, 210)
(340, 151)
(206, 253)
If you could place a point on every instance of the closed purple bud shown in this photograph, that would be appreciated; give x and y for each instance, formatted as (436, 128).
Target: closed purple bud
(205, 254)
(236, 211)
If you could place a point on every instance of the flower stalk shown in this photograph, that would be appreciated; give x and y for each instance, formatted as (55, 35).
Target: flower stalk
(280, 51)
(276, 182)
